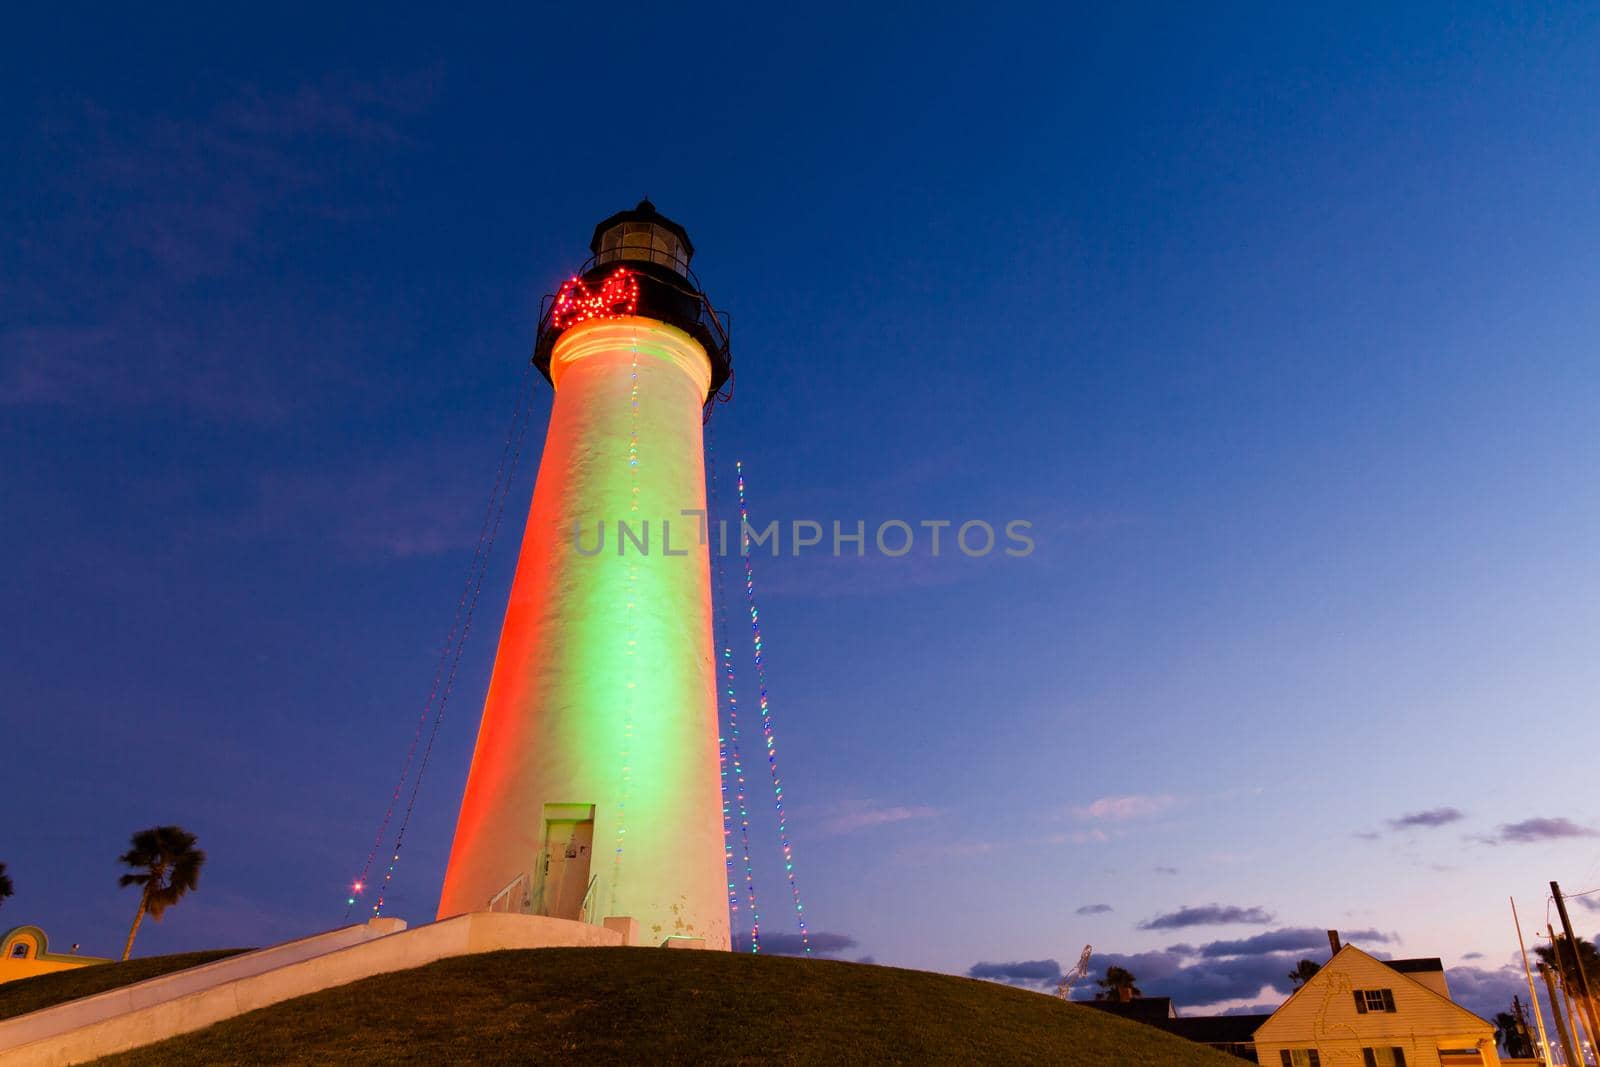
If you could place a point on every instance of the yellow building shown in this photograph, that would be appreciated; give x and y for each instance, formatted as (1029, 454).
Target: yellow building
(1359, 1011)
(25, 952)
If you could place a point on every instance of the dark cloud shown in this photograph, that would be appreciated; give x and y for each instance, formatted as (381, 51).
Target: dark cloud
(1166, 870)
(1302, 939)
(1094, 909)
(1351, 937)
(822, 944)
(1540, 829)
(1427, 819)
(1193, 983)
(1472, 955)
(1206, 915)
(1289, 939)
(1254, 969)
(1031, 973)
(1484, 991)
(1592, 903)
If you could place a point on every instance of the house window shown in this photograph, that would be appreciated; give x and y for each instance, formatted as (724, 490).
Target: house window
(1391, 1056)
(19, 951)
(1374, 1000)
(1300, 1057)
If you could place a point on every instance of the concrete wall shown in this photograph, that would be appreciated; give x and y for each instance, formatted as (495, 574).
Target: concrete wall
(147, 1012)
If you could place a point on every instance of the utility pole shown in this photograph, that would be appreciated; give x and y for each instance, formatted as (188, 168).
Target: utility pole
(1520, 1014)
(1577, 964)
(1538, 1016)
(1574, 1018)
(1555, 1010)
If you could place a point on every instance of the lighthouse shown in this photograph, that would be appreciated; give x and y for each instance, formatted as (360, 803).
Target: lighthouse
(594, 788)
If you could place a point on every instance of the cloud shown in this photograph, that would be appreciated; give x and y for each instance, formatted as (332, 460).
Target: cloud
(1472, 955)
(1238, 974)
(399, 507)
(865, 816)
(1485, 991)
(1196, 983)
(1122, 808)
(1427, 819)
(1165, 870)
(1591, 903)
(147, 289)
(1206, 915)
(1039, 973)
(1092, 835)
(822, 944)
(1540, 829)
(1289, 939)
(1095, 909)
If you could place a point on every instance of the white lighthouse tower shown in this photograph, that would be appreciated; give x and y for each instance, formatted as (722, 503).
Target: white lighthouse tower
(594, 787)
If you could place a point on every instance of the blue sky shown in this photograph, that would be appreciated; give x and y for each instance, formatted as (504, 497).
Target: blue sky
(1278, 325)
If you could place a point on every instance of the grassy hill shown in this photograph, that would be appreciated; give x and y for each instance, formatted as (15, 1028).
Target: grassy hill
(47, 990)
(619, 1005)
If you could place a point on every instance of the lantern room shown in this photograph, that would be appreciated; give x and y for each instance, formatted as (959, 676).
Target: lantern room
(642, 236)
(639, 267)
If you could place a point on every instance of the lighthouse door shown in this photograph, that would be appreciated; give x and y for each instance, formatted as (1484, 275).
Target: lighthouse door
(568, 848)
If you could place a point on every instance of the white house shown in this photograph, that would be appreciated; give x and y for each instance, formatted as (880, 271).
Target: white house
(1359, 1011)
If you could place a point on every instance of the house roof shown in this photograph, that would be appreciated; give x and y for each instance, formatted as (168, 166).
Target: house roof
(1142, 1009)
(1205, 1029)
(1415, 965)
(1216, 1029)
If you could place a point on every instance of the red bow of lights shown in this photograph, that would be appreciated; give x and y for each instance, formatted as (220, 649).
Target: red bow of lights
(618, 295)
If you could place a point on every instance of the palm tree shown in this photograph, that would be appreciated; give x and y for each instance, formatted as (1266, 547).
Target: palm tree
(1118, 984)
(1303, 971)
(1513, 1035)
(1559, 958)
(1566, 967)
(167, 864)
(6, 888)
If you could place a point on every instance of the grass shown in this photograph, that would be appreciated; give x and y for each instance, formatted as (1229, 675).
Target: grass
(622, 1005)
(47, 990)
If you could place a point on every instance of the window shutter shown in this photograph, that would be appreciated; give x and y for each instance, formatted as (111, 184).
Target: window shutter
(1288, 1060)
(1388, 999)
(1361, 1005)
(1369, 1058)
(1399, 1056)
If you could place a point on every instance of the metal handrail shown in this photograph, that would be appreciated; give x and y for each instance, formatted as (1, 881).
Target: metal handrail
(506, 892)
(583, 908)
(720, 323)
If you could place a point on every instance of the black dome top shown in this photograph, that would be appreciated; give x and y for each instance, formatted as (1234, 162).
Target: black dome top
(644, 211)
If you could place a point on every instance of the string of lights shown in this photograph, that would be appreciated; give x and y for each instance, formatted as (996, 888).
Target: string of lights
(617, 296)
(728, 744)
(768, 734)
(497, 506)
(502, 478)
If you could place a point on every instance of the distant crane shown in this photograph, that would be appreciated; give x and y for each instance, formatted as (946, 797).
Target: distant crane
(1064, 990)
